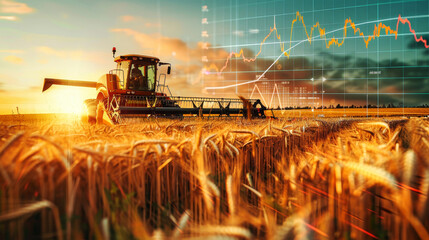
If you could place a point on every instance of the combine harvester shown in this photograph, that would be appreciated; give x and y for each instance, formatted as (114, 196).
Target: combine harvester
(136, 88)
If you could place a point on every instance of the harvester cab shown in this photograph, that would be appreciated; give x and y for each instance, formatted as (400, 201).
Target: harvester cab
(139, 74)
(136, 87)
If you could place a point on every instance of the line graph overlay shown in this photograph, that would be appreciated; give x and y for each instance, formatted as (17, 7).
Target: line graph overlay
(382, 67)
(376, 33)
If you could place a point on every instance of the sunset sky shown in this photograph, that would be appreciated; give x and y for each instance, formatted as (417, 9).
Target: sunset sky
(73, 40)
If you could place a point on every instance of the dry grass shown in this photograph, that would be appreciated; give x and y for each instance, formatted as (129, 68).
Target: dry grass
(275, 179)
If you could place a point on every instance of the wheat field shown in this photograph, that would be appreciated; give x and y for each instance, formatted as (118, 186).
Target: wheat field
(235, 179)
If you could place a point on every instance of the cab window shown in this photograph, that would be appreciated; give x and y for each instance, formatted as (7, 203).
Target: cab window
(122, 73)
(142, 77)
(151, 77)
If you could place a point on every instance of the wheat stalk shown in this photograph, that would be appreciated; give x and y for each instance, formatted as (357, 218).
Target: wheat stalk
(32, 208)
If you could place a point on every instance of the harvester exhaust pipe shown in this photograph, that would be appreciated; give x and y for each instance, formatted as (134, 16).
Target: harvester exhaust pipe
(77, 83)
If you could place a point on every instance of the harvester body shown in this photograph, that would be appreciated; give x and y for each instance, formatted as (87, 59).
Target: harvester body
(137, 88)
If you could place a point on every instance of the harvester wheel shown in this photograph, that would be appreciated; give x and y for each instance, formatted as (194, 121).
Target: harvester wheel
(95, 113)
(102, 112)
(259, 109)
(89, 114)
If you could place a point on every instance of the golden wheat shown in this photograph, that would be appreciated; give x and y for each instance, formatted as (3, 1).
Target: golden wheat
(235, 179)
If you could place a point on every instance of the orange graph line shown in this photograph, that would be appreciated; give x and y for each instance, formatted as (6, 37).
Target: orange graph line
(333, 41)
(404, 21)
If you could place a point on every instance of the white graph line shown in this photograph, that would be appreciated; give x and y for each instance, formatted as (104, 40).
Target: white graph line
(302, 41)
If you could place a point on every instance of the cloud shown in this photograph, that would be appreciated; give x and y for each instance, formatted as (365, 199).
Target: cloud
(395, 75)
(413, 44)
(165, 46)
(9, 18)
(13, 59)
(127, 18)
(188, 69)
(10, 6)
(419, 45)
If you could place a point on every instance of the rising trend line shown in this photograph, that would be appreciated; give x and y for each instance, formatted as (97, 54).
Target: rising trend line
(322, 35)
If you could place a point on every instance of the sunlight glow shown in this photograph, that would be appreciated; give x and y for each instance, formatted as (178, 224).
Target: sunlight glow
(68, 99)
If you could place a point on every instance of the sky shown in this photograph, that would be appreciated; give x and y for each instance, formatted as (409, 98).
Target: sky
(73, 40)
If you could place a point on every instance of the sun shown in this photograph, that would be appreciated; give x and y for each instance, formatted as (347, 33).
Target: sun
(68, 99)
